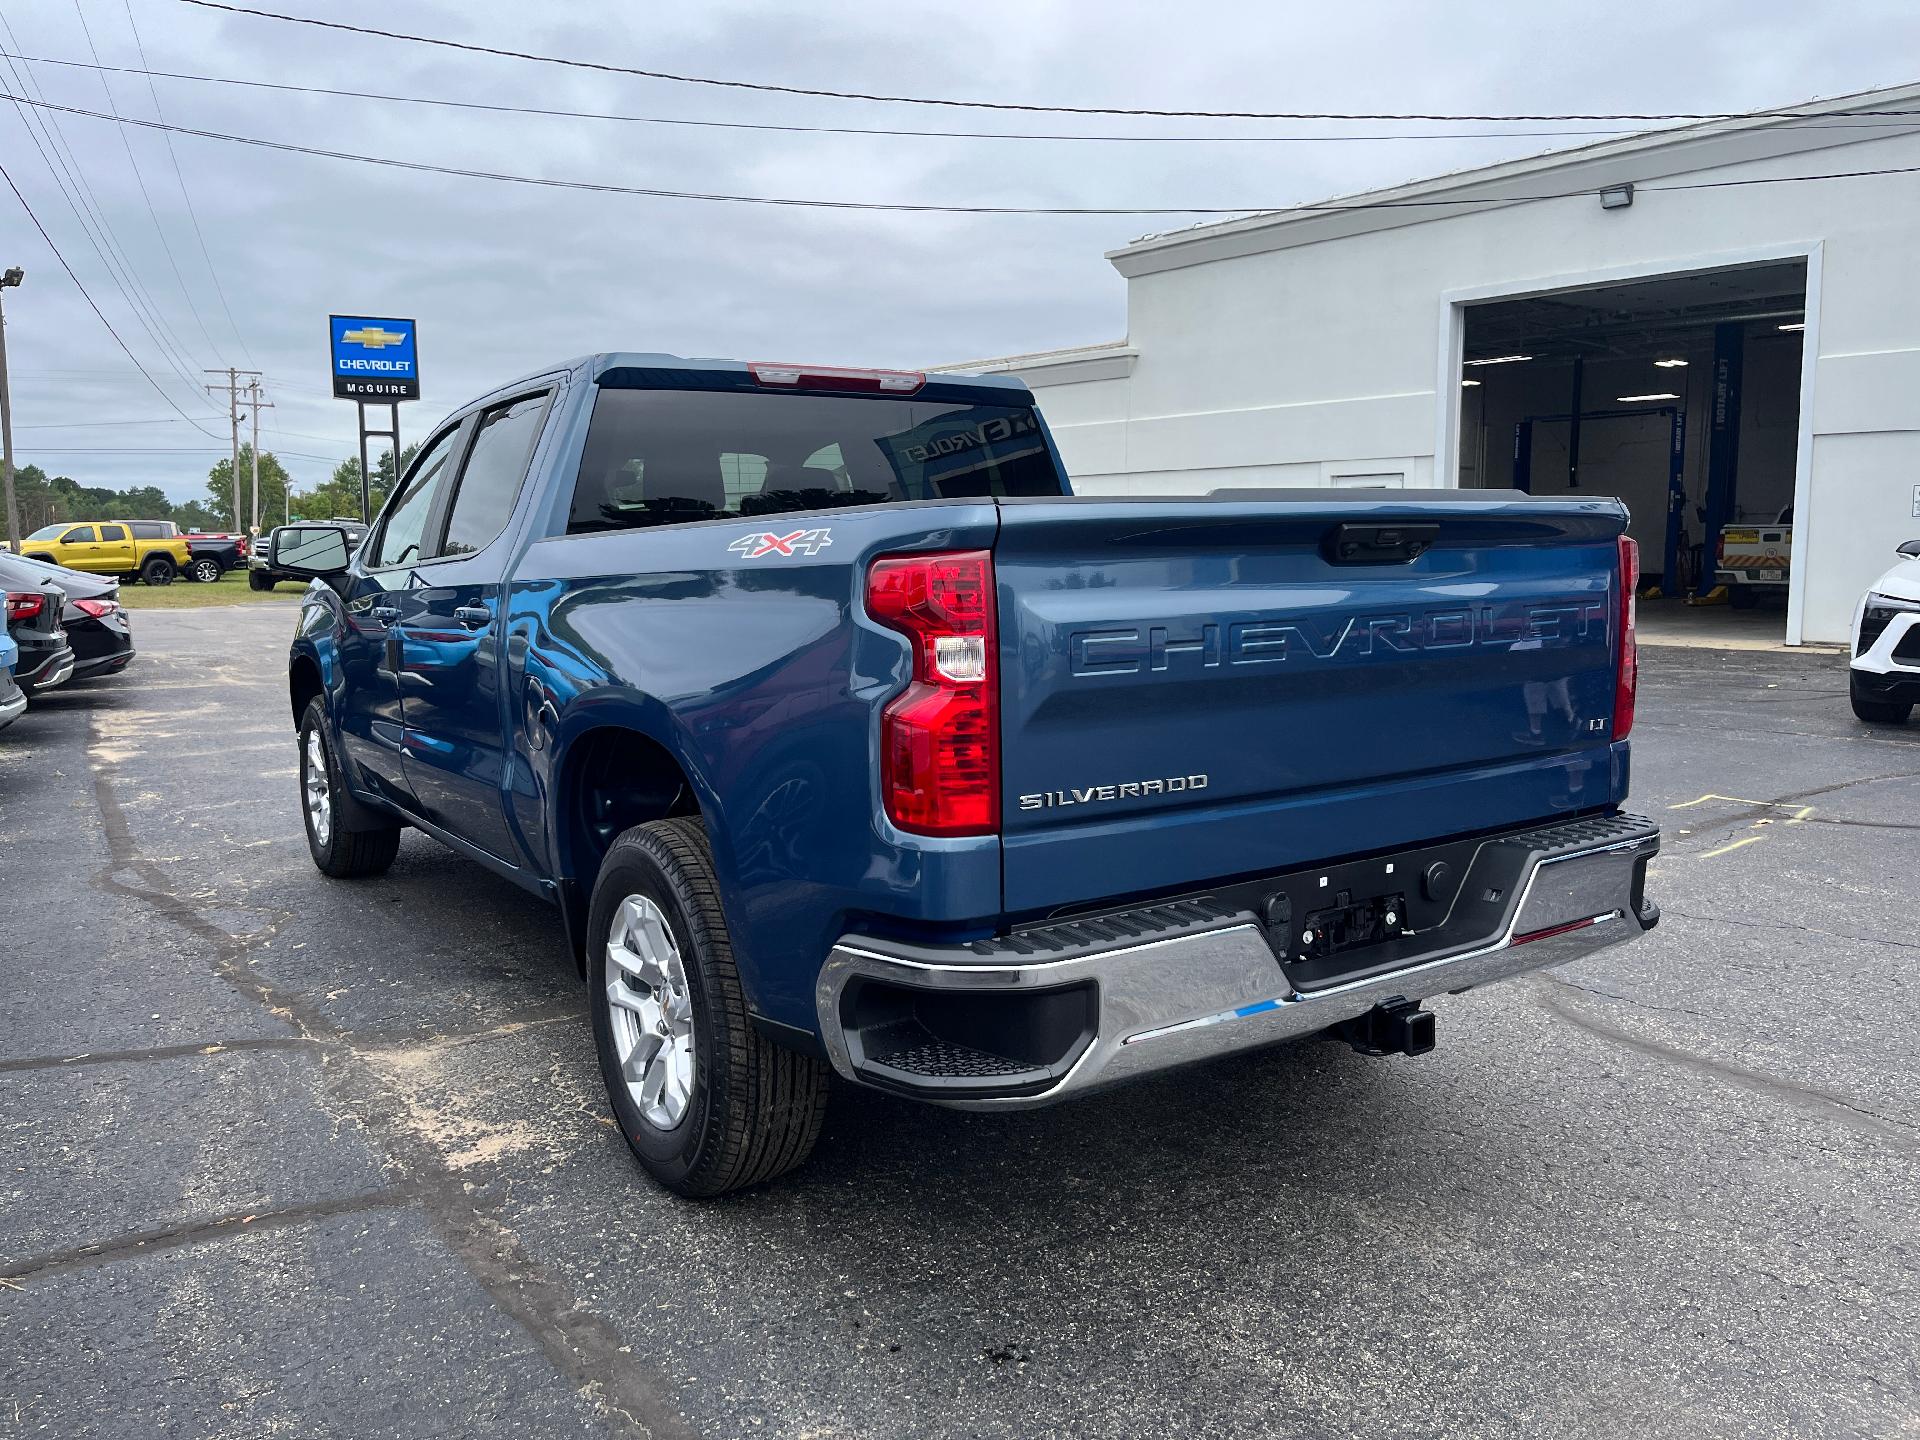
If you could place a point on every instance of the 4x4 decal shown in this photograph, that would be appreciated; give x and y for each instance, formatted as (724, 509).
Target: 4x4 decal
(800, 542)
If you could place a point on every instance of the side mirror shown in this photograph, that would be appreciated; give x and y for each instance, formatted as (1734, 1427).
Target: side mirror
(1911, 550)
(310, 551)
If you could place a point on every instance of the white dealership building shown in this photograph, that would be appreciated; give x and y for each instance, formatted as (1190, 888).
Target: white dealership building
(1671, 317)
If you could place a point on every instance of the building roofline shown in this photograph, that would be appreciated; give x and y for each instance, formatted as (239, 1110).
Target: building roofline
(1648, 155)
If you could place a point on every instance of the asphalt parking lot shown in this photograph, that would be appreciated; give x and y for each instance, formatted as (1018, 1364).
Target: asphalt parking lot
(280, 1155)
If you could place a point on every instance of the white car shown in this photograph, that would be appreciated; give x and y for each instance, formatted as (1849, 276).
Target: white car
(1884, 681)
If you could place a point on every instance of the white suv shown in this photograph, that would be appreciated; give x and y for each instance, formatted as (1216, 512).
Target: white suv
(1884, 682)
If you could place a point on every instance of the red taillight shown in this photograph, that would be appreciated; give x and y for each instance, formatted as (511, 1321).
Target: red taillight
(1627, 676)
(940, 737)
(835, 377)
(24, 605)
(98, 609)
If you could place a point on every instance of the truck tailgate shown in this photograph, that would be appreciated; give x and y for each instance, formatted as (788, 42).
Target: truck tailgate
(1197, 689)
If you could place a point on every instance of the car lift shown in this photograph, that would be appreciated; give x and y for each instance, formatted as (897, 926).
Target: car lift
(1676, 464)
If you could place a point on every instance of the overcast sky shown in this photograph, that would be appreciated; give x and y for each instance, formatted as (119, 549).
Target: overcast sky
(503, 278)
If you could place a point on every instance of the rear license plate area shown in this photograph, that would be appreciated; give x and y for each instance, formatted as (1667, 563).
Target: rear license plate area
(1350, 924)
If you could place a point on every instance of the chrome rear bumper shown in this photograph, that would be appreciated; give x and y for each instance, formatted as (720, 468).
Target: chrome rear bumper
(1156, 1004)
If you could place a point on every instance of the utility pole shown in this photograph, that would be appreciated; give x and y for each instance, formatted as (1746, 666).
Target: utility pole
(8, 279)
(255, 405)
(232, 387)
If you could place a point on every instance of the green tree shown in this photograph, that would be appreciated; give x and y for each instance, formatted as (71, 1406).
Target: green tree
(340, 495)
(195, 516)
(273, 488)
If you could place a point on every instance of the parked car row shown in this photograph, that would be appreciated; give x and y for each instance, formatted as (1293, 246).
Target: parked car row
(61, 625)
(152, 551)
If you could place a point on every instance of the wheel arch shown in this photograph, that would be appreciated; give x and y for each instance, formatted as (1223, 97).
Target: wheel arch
(612, 772)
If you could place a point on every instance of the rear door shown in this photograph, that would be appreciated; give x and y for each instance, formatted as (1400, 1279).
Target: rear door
(1198, 689)
(451, 672)
(115, 551)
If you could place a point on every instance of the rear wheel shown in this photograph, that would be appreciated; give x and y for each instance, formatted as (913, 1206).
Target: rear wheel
(706, 1102)
(1742, 597)
(341, 853)
(258, 580)
(158, 570)
(1873, 710)
(206, 570)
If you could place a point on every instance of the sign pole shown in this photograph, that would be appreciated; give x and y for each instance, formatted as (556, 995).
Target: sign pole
(365, 517)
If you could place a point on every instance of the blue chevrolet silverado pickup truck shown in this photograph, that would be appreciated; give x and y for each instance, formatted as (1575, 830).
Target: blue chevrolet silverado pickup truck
(845, 739)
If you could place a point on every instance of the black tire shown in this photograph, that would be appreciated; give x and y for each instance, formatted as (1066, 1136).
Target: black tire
(755, 1108)
(42, 557)
(158, 570)
(258, 580)
(1742, 597)
(1876, 711)
(206, 570)
(344, 854)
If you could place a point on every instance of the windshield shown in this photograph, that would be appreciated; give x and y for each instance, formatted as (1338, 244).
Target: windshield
(47, 532)
(659, 457)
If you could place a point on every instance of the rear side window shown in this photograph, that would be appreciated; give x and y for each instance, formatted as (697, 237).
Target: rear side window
(113, 532)
(79, 535)
(659, 457)
(496, 464)
(148, 530)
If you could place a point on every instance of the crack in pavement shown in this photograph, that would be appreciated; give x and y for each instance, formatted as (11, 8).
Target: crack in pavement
(352, 1039)
(1789, 927)
(172, 1237)
(1805, 1098)
(583, 1346)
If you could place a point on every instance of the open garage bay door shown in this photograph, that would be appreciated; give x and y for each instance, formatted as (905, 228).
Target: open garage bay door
(1679, 394)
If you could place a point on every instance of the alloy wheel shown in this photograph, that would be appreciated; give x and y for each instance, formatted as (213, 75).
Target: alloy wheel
(319, 797)
(652, 1012)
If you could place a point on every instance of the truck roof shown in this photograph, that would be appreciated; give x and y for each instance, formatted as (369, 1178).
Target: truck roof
(1006, 388)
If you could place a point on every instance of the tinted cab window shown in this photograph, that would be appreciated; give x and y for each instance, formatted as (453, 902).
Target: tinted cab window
(79, 535)
(656, 457)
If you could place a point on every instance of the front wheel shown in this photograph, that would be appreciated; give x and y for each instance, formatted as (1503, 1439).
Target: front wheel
(706, 1102)
(158, 570)
(258, 580)
(206, 570)
(341, 853)
(1876, 711)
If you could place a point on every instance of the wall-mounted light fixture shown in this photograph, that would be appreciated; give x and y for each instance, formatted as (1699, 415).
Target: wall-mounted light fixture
(1797, 325)
(1672, 362)
(1663, 395)
(1616, 197)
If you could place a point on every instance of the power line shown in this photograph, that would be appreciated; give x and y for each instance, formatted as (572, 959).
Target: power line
(91, 213)
(98, 424)
(72, 183)
(193, 216)
(708, 80)
(600, 187)
(96, 309)
(768, 127)
(140, 180)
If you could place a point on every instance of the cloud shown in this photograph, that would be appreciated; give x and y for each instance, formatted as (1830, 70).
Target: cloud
(506, 278)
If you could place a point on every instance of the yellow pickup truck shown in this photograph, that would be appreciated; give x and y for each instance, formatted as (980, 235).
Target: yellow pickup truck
(150, 550)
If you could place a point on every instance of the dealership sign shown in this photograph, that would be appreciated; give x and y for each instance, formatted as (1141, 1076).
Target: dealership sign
(374, 359)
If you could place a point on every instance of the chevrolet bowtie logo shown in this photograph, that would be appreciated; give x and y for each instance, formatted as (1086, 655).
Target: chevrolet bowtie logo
(373, 337)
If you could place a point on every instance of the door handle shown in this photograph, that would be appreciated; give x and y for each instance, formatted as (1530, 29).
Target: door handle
(474, 617)
(385, 614)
